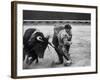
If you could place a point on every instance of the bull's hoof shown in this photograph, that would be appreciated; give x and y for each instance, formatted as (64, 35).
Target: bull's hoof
(37, 61)
(29, 62)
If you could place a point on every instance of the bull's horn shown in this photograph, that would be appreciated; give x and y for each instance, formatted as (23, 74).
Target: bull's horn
(39, 38)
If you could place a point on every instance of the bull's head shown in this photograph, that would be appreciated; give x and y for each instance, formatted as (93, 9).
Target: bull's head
(37, 45)
(40, 45)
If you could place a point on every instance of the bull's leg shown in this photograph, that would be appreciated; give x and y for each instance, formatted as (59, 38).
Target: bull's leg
(37, 60)
(35, 57)
(24, 53)
(23, 57)
(30, 59)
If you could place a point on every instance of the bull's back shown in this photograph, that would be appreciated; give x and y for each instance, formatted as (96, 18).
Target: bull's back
(27, 35)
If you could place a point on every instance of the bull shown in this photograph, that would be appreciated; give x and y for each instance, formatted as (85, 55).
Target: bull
(34, 44)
